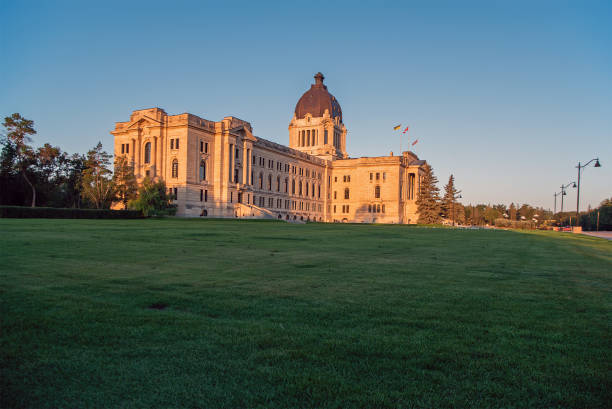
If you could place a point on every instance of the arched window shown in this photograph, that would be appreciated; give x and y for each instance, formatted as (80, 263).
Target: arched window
(293, 187)
(377, 192)
(175, 168)
(270, 182)
(147, 152)
(261, 180)
(278, 183)
(346, 193)
(202, 170)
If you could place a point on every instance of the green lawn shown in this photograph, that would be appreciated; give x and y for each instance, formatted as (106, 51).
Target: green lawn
(238, 314)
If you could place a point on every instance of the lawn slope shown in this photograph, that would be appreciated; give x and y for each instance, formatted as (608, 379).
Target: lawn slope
(208, 313)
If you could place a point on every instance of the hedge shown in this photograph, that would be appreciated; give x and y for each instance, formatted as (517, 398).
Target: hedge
(59, 213)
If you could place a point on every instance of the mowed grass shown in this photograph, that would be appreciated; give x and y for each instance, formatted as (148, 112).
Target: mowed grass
(211, 313)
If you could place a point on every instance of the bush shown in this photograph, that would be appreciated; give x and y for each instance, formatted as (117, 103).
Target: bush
(59, 213)
(514, 224)
(153, 200)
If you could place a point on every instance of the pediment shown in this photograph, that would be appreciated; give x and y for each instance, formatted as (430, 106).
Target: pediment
(244, 132)
(143, 121)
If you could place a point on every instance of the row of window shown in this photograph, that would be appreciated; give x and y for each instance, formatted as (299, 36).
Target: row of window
(203, 147)
(345, 209)
(303, 188)
(384, 176)
(174, 143)
(347, 193)
(285, 167)
(272, 203)
(376, 208)
(310, 137)
(125, 148)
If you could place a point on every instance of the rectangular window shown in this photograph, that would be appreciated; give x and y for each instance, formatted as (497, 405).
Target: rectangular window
(205, 147)
(177, 143)
(334, 208)
(171, 143)
(254, 159)
(231, 197)
(335, 195)
(206, 195)
(127, 148)
(201, 146)
(122, 148)
(371, 176)
(377, 176)
(175, 191)
(201, 195)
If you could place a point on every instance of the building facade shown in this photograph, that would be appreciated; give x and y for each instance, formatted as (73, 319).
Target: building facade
(220, 169)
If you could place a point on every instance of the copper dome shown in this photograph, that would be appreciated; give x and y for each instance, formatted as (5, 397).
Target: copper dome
(316, 100)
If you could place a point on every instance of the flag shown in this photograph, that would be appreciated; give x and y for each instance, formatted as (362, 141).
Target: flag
(406, 130)
(415, 142)
(396, 127)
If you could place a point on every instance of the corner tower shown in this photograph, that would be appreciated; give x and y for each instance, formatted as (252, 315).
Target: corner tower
(316, 127)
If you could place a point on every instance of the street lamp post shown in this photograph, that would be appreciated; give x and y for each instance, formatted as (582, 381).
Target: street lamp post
(573, 184)
(555, 195)
(580, 167)
(455, 197)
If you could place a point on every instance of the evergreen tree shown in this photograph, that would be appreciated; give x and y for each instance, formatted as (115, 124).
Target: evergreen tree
(19, 131)
(449, 205)
(428, 202)
(125, 181)
(96, 182)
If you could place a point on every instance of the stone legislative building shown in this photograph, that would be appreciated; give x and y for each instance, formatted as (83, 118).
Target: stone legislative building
(221, 169)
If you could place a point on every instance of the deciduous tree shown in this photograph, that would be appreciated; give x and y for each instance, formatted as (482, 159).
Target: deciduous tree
(153, 200)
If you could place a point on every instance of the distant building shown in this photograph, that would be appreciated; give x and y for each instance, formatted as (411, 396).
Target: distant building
(220, 169)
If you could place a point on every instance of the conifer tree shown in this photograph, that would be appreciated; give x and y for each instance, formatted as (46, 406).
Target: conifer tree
(19, 131)
(428, 202)
(97, 184)
(125, 181)
(449, 205)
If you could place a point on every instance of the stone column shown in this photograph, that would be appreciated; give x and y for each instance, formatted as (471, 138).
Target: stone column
(133, 152)
(158, 154)
(137, 161)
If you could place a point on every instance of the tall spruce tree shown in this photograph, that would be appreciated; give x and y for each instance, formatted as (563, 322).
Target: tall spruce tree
(428, 201)
(449, 205)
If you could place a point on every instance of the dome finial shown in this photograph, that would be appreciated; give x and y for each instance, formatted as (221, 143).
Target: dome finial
(319, 78)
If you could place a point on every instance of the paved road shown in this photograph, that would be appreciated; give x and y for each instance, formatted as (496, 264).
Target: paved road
(603, 234)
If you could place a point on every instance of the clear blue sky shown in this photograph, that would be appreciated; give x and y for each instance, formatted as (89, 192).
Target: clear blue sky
(506, 95)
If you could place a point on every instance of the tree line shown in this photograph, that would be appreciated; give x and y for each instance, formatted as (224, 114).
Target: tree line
(49, 177)
(434, 208)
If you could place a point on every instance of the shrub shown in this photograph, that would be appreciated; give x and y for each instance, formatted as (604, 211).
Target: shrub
(59, 213)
